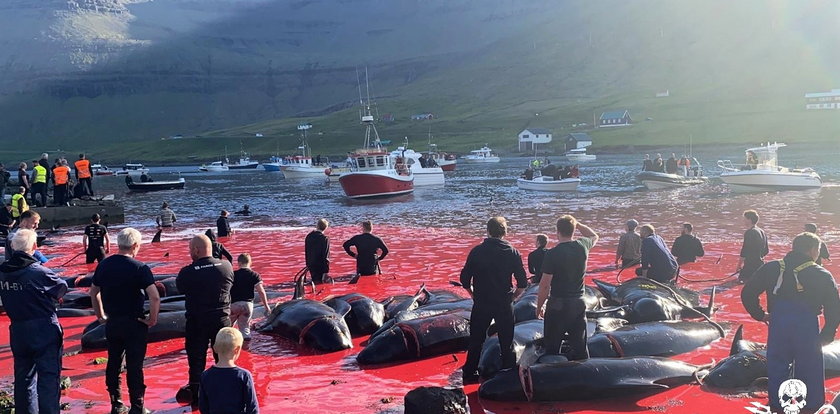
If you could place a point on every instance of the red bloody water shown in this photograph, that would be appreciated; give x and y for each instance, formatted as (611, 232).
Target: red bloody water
(292, 379)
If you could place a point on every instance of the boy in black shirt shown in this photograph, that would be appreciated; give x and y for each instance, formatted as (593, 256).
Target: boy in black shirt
(226, 388)
(120, 281)
(245, 281)
(487, 277)
(562, 287)
(754, 248)
(535, 258)
(205, 284)
(96, 242)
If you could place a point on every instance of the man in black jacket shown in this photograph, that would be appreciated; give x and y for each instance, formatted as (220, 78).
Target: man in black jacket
(754, 248)
(317, 251)
(797, 290)
(824, 254)
(367, 251)
(487, 277)
(687, 248)
(205, 284)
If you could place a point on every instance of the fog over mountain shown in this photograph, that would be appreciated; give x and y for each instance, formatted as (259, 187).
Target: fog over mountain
(103, 70)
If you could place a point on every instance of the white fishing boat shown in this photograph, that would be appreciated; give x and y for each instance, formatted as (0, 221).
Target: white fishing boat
(244, 163)
(579, 155)
(215, 166)
(662, 181)
(423, 176)
(762, 172)
(549, 184)
(134, 170)
(485, 154)
(303, 165)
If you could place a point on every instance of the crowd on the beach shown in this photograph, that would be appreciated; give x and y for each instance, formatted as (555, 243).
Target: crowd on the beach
(798, 289)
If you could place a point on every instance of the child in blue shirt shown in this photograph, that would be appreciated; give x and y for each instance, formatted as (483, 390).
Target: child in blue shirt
(226, 388)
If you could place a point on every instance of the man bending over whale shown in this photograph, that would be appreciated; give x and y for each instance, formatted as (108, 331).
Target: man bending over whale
(487, 277)
(562, 286)
(797, 290)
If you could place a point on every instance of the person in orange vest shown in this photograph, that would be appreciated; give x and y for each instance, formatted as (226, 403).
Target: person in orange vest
(61, 175)
(84, 175)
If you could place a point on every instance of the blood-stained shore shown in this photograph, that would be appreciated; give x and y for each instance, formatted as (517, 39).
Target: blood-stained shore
(292, 379)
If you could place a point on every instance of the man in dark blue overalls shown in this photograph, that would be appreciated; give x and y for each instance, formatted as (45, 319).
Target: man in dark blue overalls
(29, 292)
(797, 290)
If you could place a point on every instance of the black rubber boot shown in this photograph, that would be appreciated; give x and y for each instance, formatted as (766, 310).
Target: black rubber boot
(137, 406)
(117, 406)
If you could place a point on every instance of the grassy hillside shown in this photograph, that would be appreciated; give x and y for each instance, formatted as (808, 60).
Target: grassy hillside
(737, 72)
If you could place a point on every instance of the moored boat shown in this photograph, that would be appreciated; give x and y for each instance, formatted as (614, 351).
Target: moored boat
(549, 184)
(147, 184)
(423, 175)
(244, 163)
(215, 166)
(134, 170)
(99, 169)
(762, 172)
(485, 154)
(273, 164)
(659, 180)
(579, 155)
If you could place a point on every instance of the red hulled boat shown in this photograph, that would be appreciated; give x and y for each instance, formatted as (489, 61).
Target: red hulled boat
(373, 174)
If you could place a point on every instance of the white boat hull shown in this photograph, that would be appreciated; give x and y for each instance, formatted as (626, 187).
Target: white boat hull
(303, 172)
(581, 157)
(428, 176)
(477, 160)
(132, 173)
(664, 181)
(757, 180)
(214, 168)
(548, 184)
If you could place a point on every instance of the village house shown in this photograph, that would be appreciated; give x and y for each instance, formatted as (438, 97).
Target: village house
(615, 119)
(530, 137)
(577, 140)
(422, 117)
(823, 100)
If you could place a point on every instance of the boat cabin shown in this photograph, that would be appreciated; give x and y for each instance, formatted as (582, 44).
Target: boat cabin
(298, 161)
(377, 160)
(764, 157)
(133, 167)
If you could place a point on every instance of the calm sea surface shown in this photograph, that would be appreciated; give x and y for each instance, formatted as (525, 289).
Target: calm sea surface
(609, 194)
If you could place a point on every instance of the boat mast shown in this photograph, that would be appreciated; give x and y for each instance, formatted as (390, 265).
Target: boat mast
(367, 116)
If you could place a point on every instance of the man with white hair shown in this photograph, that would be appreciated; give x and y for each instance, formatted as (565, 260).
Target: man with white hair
(29, 292)
(117, 298)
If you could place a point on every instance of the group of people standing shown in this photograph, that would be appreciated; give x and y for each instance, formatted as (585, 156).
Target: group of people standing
(36, 184)
(546, 168)
(673, 165)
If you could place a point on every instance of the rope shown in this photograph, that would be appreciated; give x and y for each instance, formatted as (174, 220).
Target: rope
(629, 265)
(707, 280)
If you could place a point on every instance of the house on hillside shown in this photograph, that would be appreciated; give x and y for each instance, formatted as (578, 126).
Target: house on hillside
(530, 137)
(422, 117)
(577, 140)
(823, 100)
(615, 119)
(388, 118)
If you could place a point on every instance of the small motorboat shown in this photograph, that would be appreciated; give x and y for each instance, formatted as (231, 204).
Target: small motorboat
(659, 180)
(762, 172)
(133, 170)
(485, 154)
(99, 169)
(549, 184)
(579, 155)
(215, 166)
(147, 184)
(273, 164)
(423, 176)
(244, 163)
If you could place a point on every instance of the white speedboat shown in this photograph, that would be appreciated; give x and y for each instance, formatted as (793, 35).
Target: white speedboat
(762, 172)
(661, 181)
(549, 184)
(134, 170)
(579, 155)
(215, 166)
(99, 169)
(423, 176)
(485, 154)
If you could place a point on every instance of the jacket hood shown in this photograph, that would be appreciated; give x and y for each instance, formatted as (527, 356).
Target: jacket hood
(794, 259)
(210, 235)
(19, 261)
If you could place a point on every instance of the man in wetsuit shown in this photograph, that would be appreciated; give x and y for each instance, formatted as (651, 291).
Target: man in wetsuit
(629, 249)
(29, 292)
(824, 254)
(797, 291)
(367, 248)
(223, 224)
(562, 287)
(657, 261)
(687, 248)
(671, 164)
(205, 284)
(317, 251)
(535, 258)
(95, 242)
(754, 248)
(647, 164)
(487, 277)
(218, 250)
